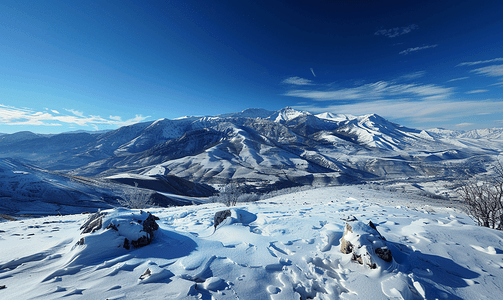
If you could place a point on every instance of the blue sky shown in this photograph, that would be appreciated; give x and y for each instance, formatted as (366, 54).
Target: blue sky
(88, 65)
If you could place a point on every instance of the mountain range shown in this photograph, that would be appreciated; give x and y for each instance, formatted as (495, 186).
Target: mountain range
(263, 150)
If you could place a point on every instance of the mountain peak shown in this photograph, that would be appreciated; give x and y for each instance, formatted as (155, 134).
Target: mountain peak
(286, 114)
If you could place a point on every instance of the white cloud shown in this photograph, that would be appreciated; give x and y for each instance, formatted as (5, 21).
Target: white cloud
(397, 31)
(476, 91)
(312, 71)
(416, 111)
(407, 51)
(297, 81)
(412, 76)
(464, 124)
(55, 111)
(375, 91)
(75, 112)
(472, 63)
(456, 79)
(10, 115)
(493, 71)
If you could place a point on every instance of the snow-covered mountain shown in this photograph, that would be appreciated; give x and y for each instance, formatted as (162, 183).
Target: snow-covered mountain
(266, 150)
(489, 133)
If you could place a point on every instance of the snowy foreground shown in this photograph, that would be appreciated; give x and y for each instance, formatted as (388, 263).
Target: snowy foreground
(287, 247)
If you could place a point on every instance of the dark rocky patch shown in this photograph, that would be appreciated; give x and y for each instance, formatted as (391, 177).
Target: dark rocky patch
(220, 216)
(93, 223)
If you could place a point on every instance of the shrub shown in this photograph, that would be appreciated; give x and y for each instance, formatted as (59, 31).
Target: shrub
(136, 198)
(230, 193)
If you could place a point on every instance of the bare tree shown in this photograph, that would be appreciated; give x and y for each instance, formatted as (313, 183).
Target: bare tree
(484, 200)
(136, 198)
(230, 194)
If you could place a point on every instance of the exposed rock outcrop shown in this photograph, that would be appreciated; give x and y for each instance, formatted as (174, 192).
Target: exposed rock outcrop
(93, 223)
(365, 244)
(137, 228)
(149, 226)
(220, 216)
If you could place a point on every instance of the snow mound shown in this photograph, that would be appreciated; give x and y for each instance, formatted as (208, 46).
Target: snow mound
(132, 228)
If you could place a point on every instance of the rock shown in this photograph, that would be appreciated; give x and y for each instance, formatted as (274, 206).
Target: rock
(372, 225)
(93, 223)
(384, 254)
(375, 228)
(346, 246)
(365, 244)
(146, 274)
(136, 229)
(220, 216)
(149, 226)
(126, 244)
(112, 226)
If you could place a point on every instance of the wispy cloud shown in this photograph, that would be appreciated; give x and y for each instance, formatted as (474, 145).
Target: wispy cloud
(493, 71)
(412, 76)
(472, 63)
(407, 51)
(464, 124)
(10, 115)
(312, 71)
(397, 31)
(375, 91)
(476, 91)
(423, 111)
(457, 79)
(76, 112)
(297, 81)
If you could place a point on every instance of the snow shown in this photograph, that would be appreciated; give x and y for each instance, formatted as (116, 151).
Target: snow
(335, 117)
(287, 114)
(130, 175)
(286, 247)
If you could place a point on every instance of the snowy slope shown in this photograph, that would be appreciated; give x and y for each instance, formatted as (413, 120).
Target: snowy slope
(287, 247)
(286, 114)
(375, 131)
(28, 190)
(488, 133)
(335, 117)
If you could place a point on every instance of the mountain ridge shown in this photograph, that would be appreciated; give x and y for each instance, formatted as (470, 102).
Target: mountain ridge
(264, 149)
